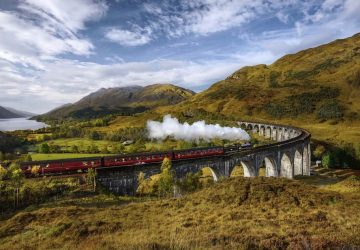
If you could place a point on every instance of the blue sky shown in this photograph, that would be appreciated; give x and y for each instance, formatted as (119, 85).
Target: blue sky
(54, 51)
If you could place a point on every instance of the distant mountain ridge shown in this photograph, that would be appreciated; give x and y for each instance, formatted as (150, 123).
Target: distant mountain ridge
(120, 100)
(7, 113)
(20, 112)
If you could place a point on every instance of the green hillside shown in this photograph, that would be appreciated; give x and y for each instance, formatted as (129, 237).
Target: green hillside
(321, 83)
(317, 88)
(122, 101)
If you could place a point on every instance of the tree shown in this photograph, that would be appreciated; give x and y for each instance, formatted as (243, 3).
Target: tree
(74, 149)
(138, 146)
(91, 177)
(117, 148)
(190, 182)
(166, 181)
(93, 149)
(142, 183)
(28, 158)
(44, 148)
(2, 156)
(16, 178)
(104, 149)
(35, 170)
(328, 160)
(319, 151)
(3, 173)
(53, 148)
(94, 135)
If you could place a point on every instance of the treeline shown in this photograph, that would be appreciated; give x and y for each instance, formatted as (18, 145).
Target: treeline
(120, 135)
(346, 156)
(9, 142)
(17, 192)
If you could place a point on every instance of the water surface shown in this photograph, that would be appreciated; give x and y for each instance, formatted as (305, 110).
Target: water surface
(20, 124)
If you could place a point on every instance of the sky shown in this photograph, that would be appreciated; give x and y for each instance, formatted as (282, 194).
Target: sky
(54, 52)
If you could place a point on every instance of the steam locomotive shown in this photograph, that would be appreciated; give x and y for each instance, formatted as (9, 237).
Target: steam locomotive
(69, 166)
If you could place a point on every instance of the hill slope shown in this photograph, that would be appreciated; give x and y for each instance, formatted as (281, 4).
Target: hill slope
(5, 113)
(317, 89)
(20, 112)
(237, 213)
(321, 83)
(122, 100)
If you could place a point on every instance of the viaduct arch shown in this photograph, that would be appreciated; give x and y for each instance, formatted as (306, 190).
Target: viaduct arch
(287, 157)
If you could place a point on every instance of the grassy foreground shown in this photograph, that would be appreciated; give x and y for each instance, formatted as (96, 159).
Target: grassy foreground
(237, 213)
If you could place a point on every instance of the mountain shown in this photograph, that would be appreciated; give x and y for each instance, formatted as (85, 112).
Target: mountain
(20, 112)
(121, 100)
(317, 84)
(6, 113)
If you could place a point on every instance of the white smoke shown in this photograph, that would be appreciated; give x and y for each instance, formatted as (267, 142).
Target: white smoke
(198, 130)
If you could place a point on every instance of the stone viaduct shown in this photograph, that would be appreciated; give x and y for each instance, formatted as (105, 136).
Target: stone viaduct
(288, 156)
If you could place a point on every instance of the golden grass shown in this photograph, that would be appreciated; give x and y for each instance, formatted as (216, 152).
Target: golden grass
(237, 213)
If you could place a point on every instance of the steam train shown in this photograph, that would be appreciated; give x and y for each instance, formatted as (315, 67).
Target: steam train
(69, 166)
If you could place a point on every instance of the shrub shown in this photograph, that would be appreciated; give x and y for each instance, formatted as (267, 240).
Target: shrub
(166, 181)
(328, 160)
(273, 79)
(190, 182)
(330, 110)
(44, 148)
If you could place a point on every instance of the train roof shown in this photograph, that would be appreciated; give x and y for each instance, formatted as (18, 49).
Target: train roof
(116, 156)
(61, 160)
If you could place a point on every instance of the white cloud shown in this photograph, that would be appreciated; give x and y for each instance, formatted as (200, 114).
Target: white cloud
(76, 79)
(44, 29)
(69, 16)
(129, 38)
(205, 17)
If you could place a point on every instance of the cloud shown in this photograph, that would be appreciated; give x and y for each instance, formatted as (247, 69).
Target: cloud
(129, 38)
(76, 79)
(315, 28)
(205, 17)
(40, 30)
(37, 36)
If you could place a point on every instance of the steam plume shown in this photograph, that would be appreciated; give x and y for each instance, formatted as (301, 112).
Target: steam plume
(198, 130)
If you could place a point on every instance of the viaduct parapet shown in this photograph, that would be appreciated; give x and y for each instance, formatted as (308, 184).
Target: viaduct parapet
(287, 157)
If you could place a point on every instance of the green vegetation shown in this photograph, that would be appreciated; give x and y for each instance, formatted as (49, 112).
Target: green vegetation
(125, 101)
(330, 110)
(306, 103)
(91, 113)
(17, 192)
(91, 178)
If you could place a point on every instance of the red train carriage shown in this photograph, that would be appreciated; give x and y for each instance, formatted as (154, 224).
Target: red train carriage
(61, 166)
(198, 152)
(135, 159)
(82, 164)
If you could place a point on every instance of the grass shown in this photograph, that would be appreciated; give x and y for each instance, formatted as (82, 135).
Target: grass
(82, 143)
(44, 157)
(236, 213)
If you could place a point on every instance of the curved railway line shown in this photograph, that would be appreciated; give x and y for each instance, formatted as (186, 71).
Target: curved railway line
(287, 157)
